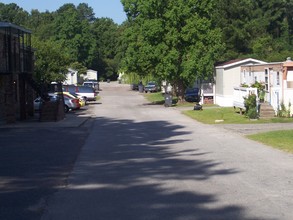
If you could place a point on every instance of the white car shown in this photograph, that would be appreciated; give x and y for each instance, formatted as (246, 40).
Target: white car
(69, 103)
(92, 84)
(89, 93)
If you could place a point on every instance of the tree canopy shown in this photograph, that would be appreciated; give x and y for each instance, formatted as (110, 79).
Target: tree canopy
(174, 40)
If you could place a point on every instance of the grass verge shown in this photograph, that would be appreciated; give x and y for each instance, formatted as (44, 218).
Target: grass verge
(227, 115)
(155, 98)
(158, 99)
(277, 139)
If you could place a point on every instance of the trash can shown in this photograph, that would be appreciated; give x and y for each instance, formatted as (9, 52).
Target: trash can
(140, 88)
(197, 107)
(168, 100)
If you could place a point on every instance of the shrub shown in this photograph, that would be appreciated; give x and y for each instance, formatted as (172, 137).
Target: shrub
(252, 113)
(284, 112)
(250, 105)
(260, 90)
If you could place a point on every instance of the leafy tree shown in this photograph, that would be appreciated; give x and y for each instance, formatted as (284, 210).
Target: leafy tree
(13, 13)
(86, 41)
(73, 33)
(51, 62)
(174, 40)
(105, 47)
(41, 24)
(85, 12)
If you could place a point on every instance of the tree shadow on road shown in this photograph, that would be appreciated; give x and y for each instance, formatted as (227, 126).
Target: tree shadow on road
(34, 163)
(135, 170)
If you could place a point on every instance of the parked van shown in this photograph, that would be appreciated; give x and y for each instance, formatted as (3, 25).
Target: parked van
(93, 84)
(192, 95)
(87, 92)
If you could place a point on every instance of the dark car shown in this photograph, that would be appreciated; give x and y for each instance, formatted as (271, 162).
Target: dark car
(151, 87)
(134, 86)
(192, 95)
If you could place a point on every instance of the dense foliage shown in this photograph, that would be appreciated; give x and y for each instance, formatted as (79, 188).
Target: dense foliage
(69, 37)
(174, 40)
(250, 104)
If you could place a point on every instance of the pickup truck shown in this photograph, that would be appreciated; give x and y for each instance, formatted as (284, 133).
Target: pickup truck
(88, 93)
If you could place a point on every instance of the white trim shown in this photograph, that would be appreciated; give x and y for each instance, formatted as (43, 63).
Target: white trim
(238, 63)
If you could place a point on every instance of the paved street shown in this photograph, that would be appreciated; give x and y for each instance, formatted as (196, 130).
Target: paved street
(35, 161)
(142, 161)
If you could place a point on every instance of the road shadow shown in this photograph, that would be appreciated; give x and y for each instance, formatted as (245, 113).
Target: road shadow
(35, 163)
(133, 169)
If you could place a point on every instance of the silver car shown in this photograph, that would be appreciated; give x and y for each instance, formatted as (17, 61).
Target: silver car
(69, 103)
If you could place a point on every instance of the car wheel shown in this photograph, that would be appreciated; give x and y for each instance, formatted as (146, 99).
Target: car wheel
(66, 108)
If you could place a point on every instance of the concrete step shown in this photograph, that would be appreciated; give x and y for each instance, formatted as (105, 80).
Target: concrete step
(266, 111)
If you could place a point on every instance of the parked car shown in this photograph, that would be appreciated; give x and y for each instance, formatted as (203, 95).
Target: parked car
(39, 101)
(134, 86)
(89, 93)
(192, 95)
(151, 87)
(82, 100)
(93, 84)
(69, 103)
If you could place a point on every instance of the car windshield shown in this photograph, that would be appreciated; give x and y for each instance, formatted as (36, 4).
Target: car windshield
(88, 84)
(192, 90)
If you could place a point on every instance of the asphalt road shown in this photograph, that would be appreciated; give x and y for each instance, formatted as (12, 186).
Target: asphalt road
(34, 163)
(147, 162)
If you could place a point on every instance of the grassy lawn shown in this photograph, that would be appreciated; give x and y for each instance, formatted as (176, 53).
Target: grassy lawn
(155, 98)
(229, 116)
(158, 99)
(278, 139)
(282, 140)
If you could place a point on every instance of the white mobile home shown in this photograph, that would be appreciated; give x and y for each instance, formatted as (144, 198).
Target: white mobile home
(227, 76)
(277, 78)
(71, 77)
(91, 75)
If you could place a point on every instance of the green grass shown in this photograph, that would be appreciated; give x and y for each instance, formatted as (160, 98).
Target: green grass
(211, 113)
(158, 99)
(229, 116)
(282, 140)
(155, 98)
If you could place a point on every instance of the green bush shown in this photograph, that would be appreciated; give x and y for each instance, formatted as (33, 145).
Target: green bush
(250, 106)
(260, 89)
(252, 113)
(284, 112)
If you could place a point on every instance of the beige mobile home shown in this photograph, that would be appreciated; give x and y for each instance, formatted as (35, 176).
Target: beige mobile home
(227, 76)
(277, 77)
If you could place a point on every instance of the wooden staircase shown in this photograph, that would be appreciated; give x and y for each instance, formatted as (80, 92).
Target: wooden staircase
(266, 111)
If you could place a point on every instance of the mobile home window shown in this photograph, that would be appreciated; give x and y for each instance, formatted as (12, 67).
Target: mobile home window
(278, 79)
(290, 80)
(266, 80)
